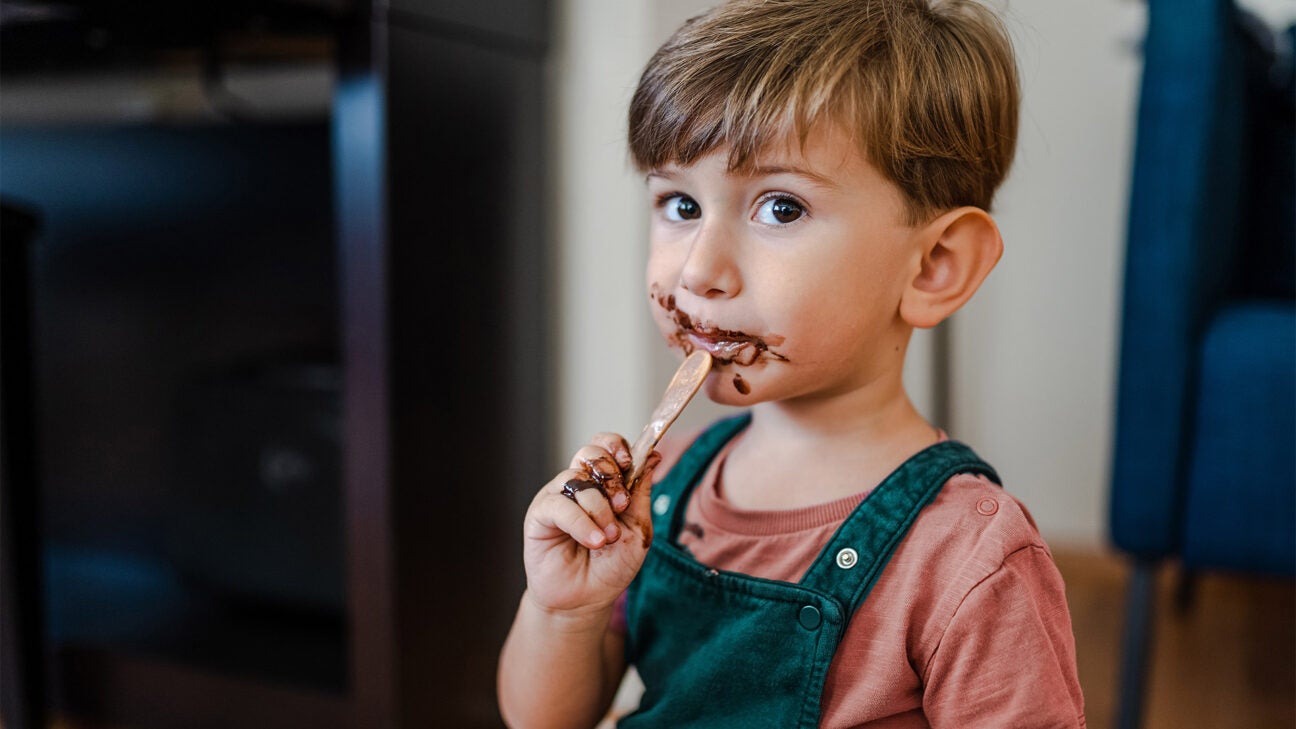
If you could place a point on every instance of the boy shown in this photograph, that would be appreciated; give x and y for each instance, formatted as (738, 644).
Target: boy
(820, 172)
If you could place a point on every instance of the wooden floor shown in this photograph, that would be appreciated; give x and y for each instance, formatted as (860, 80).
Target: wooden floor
(1229, 661)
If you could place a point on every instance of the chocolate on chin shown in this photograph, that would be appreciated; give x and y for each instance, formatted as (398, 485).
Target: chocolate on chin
(741, 385)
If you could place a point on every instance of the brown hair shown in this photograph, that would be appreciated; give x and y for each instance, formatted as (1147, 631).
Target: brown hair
(928, 89)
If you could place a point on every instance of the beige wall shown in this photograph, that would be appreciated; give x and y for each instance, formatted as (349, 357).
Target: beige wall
(1033, 354)
(604, 375)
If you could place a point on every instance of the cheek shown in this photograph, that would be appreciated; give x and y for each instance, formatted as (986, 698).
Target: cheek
(660, 275)
(719, 389)
(662, 268)
(656, 287)
(845, 313)
(654, 279)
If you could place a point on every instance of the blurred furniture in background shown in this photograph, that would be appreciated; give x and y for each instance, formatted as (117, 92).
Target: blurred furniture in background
(1205, 453)
(288, 358)
(22, 682)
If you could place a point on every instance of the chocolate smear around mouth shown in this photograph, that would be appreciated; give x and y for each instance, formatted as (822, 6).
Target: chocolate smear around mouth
(730, 346)
(741, 385)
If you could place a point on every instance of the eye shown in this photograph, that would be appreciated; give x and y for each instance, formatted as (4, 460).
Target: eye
(681, 207)
(780, 210)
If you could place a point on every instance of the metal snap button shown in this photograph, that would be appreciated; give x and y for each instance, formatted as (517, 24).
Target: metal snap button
(661, 504)
(847, 558)
(810, 617)
(987, 507)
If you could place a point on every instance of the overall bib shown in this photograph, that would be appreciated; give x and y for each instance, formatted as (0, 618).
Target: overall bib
(722, 649)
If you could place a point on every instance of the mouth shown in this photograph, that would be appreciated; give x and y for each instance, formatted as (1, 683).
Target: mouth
(727, 346)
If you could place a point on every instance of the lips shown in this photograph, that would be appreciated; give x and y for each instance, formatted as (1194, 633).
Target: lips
(727, 346)
(726, 350)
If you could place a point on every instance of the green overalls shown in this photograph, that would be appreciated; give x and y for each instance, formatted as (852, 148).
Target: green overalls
(723, 649)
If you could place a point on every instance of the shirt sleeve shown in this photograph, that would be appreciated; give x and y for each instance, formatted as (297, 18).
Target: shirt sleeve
(1007, 658)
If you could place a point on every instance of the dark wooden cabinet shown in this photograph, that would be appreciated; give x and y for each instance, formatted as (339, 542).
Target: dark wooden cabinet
(289, 387)
(447, 372)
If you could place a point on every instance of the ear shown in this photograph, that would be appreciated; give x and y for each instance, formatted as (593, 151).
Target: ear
(959, 248)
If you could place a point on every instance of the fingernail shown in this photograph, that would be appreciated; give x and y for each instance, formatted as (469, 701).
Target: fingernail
(596, 537)
(612, 531)
(619, 500)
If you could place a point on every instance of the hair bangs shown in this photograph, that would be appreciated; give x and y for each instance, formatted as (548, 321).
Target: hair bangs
(747, 96)
(927, 89)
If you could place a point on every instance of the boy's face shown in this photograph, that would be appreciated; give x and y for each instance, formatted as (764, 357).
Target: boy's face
(790, 275)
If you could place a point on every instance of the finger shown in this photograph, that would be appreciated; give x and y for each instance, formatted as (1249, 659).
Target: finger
(591, 499)
(553, 511)
(578, 486)
(555, 485)
(654, 458)
(618, 446)
(639, 511)
(600, 464)
(617, 494)
(597, 462)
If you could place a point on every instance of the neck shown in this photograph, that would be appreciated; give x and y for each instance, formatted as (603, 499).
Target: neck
(832, 446)
(870, 412)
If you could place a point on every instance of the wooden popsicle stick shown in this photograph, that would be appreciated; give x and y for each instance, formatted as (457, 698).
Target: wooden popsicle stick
(683, 386)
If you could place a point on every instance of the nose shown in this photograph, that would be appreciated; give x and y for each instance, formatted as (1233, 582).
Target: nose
(711, 269)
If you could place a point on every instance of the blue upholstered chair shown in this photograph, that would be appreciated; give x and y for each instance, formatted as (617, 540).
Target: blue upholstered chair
(1205, 453)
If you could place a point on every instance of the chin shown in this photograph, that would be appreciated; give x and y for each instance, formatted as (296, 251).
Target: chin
(721, 389)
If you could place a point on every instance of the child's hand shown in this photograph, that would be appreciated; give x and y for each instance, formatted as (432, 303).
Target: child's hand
(585, 535)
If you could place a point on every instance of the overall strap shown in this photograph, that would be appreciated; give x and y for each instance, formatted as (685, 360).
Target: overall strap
(674, 489)
(850, 565)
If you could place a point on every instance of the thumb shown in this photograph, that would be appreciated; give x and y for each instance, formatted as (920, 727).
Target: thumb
(639, 510)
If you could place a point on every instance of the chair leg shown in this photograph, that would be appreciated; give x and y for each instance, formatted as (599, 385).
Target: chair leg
(1140, 607)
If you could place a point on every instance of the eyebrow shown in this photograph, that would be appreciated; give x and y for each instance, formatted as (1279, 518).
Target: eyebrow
(762, 171)
(813, 177)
